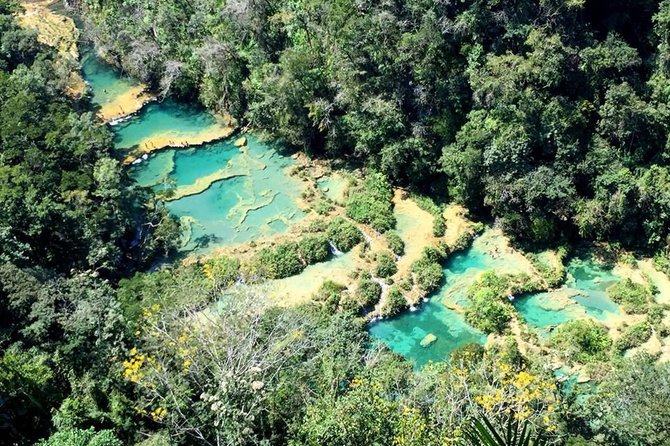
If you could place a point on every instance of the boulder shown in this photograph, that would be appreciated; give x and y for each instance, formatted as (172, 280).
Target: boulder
(428, 340)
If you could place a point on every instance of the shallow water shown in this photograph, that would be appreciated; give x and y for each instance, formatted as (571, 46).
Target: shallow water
(248, 193)
(403, 333)
(105, 81)
(162, 118)
(584, 291)
(259, 201)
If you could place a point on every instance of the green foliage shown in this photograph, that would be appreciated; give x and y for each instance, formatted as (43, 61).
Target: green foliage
(633, 336)
(330, 293)
(394, 302)
(640, 389)
(633, 297)
(582, 341)
(313, 249)
(481, 432)
(80, 437)
(368, 291)
(428, 275)
(488, 311)
(282, 260)
(396, 244)
(223, 270)
(439, 225)
(370, 203)
(386, 266)
(343, 234)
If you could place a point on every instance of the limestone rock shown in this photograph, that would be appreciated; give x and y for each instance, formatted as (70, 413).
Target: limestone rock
(240, 142)
(428, 340)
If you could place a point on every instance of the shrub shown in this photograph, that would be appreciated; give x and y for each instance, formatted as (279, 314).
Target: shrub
(582, 340)
(655, 314)
(322, 207)
(463, 241)
(368, 291)
(487, 312)
(633, 336)
(394, 303)
(434, 254)
(428, 275)
(632, 297)
(662, 263)
(371, 203)
(386, 266)
(313, 249)
(554, 275)
(396, 244)
(281, 261)
(330, 293)
(439, 225)
(224, 271)
(344, 234)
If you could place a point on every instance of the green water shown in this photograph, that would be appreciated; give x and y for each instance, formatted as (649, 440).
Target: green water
(404, 333)
(159, 118)
(106, 83)
(238, 209)
(586, 285)
(259, 199)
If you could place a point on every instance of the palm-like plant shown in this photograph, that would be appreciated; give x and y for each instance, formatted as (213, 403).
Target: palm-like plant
(481, 432)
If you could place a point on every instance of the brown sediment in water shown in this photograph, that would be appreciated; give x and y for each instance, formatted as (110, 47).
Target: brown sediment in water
(56, 31)
(178, 139)
(128, 103)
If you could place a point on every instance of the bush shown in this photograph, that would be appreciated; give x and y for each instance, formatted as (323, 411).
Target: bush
(463, 242)
(281, 261)
(343, 234)
(394, 303)
(330, 293)
(313, 249)
(396, 244)
(368, 292)
(582, 341)
(322, 207)
(633, 336)
(487, 312)
(224, 271)
(632, 297)
(386, 266)
(428, 275)
(434, 254)
(439, 225)
(371, 203)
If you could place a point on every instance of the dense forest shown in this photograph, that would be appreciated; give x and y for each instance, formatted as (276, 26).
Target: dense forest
(550, 118)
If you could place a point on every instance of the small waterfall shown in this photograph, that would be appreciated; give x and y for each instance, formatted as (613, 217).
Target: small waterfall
(333, 249)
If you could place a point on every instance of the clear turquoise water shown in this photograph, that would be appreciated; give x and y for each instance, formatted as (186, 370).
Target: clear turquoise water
(238, 209)
(106, 82)
(403, 333)
(160, 118)
(587, 282)
(260, 203)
